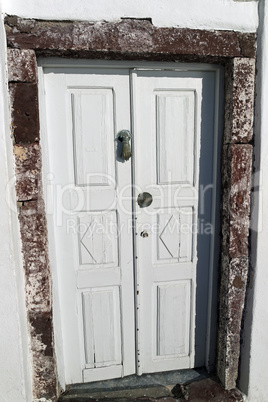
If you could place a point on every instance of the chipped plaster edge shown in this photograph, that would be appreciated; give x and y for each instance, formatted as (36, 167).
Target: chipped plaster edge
(16, 303)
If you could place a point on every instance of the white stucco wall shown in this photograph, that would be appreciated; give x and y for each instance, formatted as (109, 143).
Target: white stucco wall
(200, 14)
(254, 373)
(15, 379)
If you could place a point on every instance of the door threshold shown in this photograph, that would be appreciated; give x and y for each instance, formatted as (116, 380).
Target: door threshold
(155, 385)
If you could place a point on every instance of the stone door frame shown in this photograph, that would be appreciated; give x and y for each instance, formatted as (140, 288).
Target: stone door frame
(130, 39)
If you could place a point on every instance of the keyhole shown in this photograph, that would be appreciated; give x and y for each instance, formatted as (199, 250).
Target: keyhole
(144, 233)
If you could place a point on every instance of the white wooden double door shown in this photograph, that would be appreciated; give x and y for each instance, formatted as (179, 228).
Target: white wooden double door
(126, 275)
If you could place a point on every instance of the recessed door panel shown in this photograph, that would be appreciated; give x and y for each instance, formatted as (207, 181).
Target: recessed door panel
(173, 334)
(175, 130)
(174, 235)
(92, 124)
(102, 327)
(98, 239)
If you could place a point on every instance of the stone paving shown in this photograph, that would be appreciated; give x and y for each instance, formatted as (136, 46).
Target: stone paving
(200, 387)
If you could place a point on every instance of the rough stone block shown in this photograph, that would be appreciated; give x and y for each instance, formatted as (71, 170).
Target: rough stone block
(234, 274)
(35, 255)
(239, 106)
(28, 171)
(128, 36)
(236, 183)
(247, 43)
(44, 376)
(22, 65)
(240, 199)
(205, 389)
(24, 112)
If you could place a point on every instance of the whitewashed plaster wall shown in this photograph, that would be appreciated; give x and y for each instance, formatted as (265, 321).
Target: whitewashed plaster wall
(15, 376)
(199, 14)
(254, 373)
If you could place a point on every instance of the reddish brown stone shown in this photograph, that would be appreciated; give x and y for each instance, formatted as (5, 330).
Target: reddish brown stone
(35, 255)
(247, 43)
(231, 306)
(205, 390)
(239, 106)
(38, 298)
(44, 375)
(236, 179)
(42, 325)
(226, 175)
(21, 65)
(126, 37)
(240, 190)
(24, 112)
(28, 171)
(238, 283)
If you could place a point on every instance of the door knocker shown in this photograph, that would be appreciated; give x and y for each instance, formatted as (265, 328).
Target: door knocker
(124, 137)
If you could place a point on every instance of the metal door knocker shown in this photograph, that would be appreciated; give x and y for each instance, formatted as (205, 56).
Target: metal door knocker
(144, 200)
(124, 136)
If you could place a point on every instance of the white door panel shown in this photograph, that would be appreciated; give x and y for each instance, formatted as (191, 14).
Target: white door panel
(119, 314)
(167, 109)
(85, 110)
